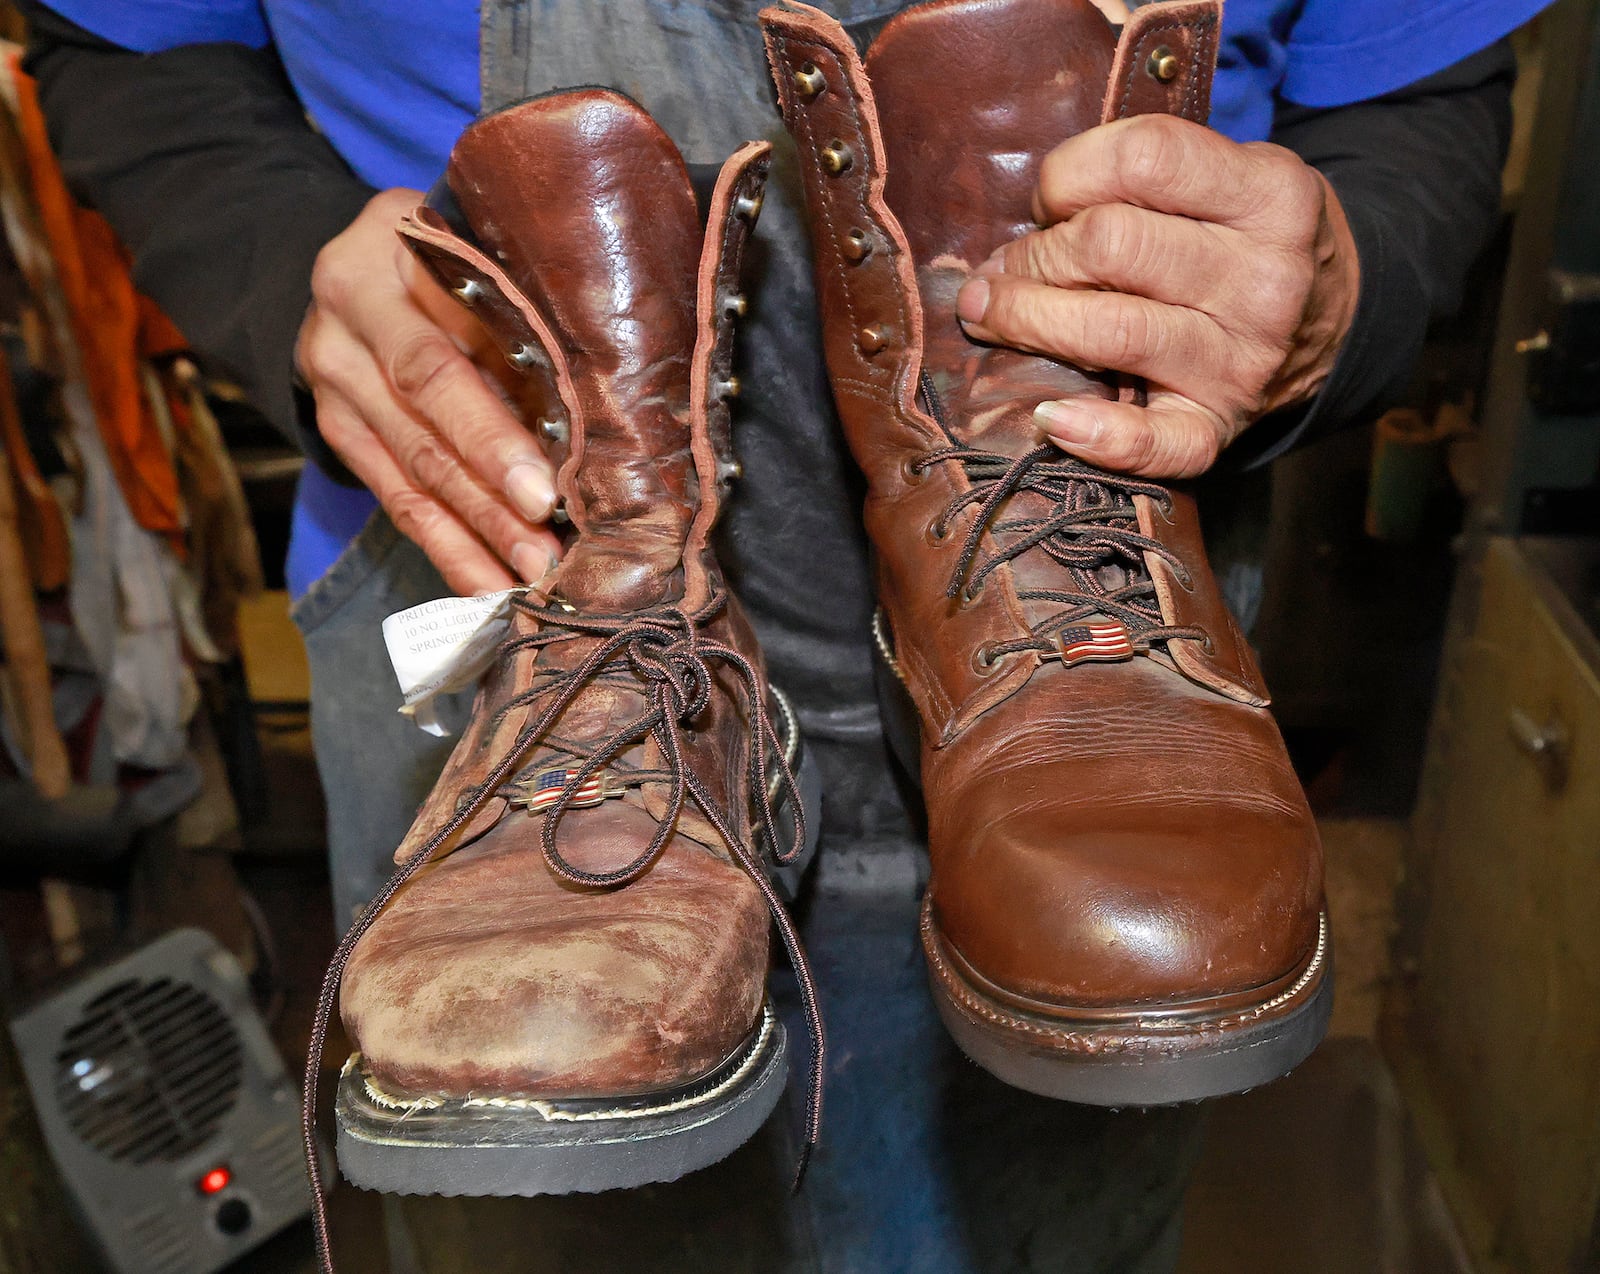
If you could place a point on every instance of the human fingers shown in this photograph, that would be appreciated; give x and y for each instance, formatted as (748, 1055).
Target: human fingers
(1170, 437)
(458, 321)
(1120, 248)
(1175, 166)
(364, 289)
(1172, 346)
(466, 563)
(430, 465)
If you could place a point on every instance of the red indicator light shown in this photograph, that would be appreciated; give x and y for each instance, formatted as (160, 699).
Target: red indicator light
(215, 1180)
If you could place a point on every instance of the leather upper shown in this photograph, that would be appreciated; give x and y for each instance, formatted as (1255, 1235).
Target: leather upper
(488, 972)
(1107, 834)
(587, 204)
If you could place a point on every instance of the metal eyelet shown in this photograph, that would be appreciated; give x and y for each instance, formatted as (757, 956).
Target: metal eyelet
(810, 79)
(872, 339)
(729, 470)
(857, 246)
(935, 534)
(747, 207)
(522, 358)
(729, 388)
(735, 304)
(912, 472)
(554, 430)
(1163, 65)
(985, 660)
(969, 594)
(837, 157)
(1207, 645)
(1184, 578)
(467, 291)
(1166, 508)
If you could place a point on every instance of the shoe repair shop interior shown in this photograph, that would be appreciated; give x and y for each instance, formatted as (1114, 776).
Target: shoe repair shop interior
(1428, 617)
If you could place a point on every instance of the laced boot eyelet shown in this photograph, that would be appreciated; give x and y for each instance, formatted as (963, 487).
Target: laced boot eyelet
(970, 593)
(912, 471)
(985, 659)
(1207, 645)
(1163, 65)
(934, 533)
(837, 158)
(809, 79)
(1184, 578)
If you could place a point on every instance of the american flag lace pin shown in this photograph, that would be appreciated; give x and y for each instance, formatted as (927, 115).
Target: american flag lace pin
(541, 791)
(1106, 641)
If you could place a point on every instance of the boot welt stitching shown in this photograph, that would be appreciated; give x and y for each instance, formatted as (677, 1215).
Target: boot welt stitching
(555, 1112)
(880, 636)
(1096, 1041)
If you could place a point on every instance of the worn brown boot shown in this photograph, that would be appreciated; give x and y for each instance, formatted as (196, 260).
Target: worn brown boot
(564, 987)
(1126, 896)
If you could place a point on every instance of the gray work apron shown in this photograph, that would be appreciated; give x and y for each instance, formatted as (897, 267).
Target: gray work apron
(791, 540)
(927, 1166)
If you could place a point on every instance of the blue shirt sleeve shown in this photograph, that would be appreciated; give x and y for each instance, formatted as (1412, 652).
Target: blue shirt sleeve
(150, 26)
(1344, 51)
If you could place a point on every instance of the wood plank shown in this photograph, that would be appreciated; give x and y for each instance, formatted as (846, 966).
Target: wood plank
(1505, 1006)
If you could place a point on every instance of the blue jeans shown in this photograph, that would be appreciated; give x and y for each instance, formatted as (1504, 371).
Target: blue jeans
(927, 1163)
(376, 766)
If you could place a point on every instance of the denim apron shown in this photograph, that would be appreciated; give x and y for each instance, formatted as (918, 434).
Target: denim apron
(927, 1165)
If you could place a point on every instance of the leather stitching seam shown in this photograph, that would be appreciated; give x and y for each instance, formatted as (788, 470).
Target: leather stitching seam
(1198, 36)
(865, 388)
(1098, 1041)
(841, 270)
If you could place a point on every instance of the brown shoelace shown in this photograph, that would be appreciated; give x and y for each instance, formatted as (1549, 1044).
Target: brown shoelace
(662, 655)
(1092, 525)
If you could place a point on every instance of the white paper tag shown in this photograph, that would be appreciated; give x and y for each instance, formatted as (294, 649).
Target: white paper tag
(442, 646)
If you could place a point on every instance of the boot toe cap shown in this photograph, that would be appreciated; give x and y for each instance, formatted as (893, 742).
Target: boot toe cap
(1134, 907)
(479, 981)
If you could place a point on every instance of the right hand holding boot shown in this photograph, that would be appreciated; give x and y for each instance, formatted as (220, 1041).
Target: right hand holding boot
(389, 357)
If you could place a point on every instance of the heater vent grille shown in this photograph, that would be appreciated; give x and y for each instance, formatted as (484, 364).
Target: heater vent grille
(149, 1070)
(163, 1244)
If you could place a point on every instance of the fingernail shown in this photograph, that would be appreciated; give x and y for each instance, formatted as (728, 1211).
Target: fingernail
(1068, 424)
(533, 561)
(972, 302)
(531, 490)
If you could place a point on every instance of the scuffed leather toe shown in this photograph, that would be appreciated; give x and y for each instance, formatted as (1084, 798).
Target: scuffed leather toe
(488, 975)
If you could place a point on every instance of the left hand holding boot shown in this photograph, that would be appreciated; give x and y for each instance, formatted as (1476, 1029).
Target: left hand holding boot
(1223, 274)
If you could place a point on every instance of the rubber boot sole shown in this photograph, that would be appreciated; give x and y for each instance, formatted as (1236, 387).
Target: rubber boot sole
(506, 1146)
(1140, 1056)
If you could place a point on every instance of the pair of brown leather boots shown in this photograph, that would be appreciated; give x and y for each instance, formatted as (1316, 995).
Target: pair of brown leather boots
(565, 986)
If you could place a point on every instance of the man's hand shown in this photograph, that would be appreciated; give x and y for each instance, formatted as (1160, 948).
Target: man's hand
(388, 356)
(1224, 275)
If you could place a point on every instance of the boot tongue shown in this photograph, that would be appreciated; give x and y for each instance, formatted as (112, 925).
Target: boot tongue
(971, 95)
(588, 205)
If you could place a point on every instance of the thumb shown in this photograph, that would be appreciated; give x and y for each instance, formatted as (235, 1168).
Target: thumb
(1170, 437)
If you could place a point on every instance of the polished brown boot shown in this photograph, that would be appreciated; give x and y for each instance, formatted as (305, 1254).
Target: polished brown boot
(564, 987)
(1126, 897)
